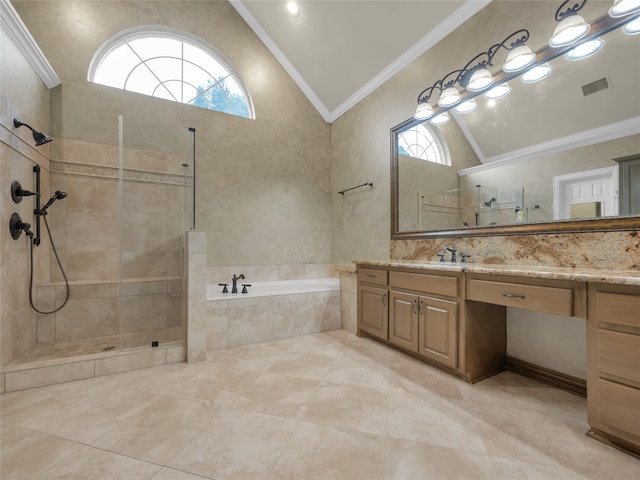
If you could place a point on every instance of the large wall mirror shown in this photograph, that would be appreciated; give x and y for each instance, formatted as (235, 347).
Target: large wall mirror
(546, 158)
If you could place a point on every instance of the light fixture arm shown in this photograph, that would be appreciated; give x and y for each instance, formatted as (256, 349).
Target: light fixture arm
(570, 11)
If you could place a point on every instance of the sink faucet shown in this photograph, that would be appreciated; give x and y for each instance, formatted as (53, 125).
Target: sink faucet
(234, 288)
(453, 251)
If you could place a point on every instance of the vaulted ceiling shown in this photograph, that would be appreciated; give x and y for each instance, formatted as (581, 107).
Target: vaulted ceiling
(340, 51)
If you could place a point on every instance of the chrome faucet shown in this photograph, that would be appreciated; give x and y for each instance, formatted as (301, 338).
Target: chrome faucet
(234, 288)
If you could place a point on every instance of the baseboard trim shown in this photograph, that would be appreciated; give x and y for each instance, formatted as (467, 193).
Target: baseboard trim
(571, 384)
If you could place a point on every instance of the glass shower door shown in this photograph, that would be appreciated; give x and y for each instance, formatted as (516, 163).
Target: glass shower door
(156, 195)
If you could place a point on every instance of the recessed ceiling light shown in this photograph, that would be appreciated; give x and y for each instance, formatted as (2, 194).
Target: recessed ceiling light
(293, 8)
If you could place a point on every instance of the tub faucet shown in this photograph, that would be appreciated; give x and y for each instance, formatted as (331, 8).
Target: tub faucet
(234, 288)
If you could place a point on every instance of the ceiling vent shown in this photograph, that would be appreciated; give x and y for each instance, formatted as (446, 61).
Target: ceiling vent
(593, 87)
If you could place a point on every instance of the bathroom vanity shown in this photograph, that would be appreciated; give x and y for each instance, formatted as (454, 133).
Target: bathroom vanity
(453, 316)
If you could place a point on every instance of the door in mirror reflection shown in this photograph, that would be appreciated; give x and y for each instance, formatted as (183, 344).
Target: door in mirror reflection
(587, 194)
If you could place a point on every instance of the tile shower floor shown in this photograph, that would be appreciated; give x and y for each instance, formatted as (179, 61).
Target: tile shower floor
(325, 406)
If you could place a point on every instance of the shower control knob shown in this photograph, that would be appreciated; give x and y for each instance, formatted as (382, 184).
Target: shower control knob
(17, 192)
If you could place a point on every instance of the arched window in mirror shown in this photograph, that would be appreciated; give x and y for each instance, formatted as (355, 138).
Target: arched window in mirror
(424, 142)
(171, 65)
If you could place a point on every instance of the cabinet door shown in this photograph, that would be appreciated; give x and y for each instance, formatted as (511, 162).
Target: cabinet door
(438, 331)
(373, 311)
(403, 320)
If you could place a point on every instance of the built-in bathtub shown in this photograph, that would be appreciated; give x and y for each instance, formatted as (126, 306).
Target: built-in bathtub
(271, 310)
(273, 288)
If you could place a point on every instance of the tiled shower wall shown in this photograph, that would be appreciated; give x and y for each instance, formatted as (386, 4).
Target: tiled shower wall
(17, 321)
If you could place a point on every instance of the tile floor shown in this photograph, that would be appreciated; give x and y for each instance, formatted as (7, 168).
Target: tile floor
(322, 406)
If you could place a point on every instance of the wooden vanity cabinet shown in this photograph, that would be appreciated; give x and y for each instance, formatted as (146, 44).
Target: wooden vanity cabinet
(373, 302)
(423, 315)
(403, 320)
(613, 351)
(426, 315)
(438, 327)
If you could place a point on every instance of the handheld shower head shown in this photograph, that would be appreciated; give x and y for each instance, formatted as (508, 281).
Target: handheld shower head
(38, 137)
(56, 196)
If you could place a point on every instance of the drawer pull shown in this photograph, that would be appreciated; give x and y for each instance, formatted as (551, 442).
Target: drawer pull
(511, 295)
(384, 300)
(370, 275)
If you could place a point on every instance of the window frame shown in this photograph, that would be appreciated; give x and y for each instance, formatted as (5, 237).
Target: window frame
(130, 34)
(440, 145)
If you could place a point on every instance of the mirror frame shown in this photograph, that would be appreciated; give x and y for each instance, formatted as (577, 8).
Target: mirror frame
(599, 27)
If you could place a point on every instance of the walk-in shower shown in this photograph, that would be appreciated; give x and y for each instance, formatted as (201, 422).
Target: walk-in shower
(119, 241)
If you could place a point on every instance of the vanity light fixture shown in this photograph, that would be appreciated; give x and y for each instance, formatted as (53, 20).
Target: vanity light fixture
(585, 50)
(496, 93)
(424, 111)
(518, 59)
(467, 107)
(632, 28)
(620, 8)
(474, 76)
(536, 73)
(457, 89)
(449, 97)
(571, 26)
(480, 80)
(440, 119)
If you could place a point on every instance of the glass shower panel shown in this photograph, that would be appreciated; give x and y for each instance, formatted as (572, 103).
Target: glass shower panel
(156, 195)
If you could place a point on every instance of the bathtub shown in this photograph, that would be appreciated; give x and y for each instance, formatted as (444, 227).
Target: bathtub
(271, 310)
(274, 288)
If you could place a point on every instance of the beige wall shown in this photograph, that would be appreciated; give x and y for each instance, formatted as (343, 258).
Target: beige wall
(262, 185)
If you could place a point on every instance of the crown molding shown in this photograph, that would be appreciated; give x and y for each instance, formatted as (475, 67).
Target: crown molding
(17, 31)
(457, 18)
(281, 57)
(605, 133)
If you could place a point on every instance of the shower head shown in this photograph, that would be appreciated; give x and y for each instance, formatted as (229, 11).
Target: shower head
(56, 196)
(39, 137)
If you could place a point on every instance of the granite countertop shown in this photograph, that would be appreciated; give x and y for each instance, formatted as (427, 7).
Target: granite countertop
(622, 277)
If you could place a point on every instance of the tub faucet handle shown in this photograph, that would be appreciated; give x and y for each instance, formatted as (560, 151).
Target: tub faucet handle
(225, 285)
(464, 257)
(441, 255)
(244, 287)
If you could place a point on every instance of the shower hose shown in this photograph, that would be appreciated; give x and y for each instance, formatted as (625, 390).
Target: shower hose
(66, 281)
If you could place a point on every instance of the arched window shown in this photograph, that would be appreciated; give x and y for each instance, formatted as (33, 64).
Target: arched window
(171, 65)
(424, 142)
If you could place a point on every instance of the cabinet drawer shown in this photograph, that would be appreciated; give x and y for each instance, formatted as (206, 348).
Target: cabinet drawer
(370, 275)
(619, 408)
(618, 308)
(619, 354)
(435, 284)
(544, 299)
